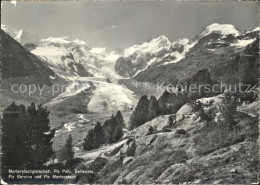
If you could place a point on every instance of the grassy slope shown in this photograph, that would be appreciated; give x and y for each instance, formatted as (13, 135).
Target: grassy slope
(207, 153)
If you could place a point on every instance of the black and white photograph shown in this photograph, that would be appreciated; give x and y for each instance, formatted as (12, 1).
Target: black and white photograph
(129, 92)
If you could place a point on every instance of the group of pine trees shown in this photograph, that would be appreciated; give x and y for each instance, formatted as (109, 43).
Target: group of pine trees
(66, 153)
(147, 109)
(26, 139)
(111, 131)
(170, 103)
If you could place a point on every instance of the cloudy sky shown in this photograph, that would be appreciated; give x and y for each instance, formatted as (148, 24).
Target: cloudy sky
(122, 24)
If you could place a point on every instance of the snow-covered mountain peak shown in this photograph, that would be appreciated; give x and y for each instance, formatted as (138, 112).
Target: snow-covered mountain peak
(161, 39)
(97, 50)
(76, 58)
(179, 49)
(56, 41)
(254, 30)
(25, 37)
(153, 46)
(22, 36)
(157, 51)
(80, 42)
(64, 42)
(222, 29)
(20, 33)
(182, 41)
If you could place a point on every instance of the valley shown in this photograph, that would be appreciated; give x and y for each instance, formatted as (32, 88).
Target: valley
(199, 138)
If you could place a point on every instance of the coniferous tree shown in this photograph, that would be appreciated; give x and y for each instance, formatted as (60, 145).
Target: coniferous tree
(46, 135)
(40, 136)
(90, 140)
(67, 153)
(170, 103)
(113, 128)
(69, 148)
(139, 116)
(119, 118)
(99, 132)
(164, 102)
(110, 132)
(26, 140)
(117, 134)
(118, 131)
(153, 108)
(15, 151)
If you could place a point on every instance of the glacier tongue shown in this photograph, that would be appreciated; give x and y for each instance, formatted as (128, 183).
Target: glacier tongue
(110, 97)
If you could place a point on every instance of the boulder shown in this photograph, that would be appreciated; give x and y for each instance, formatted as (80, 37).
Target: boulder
(128, 160)
(233, 170)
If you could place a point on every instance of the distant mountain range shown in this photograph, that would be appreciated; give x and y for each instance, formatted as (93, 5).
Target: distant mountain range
(227, 54)
(70, 58)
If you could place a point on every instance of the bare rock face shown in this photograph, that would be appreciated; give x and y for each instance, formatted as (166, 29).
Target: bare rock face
(228, 58)
(17, 62)
(204, 151)
(124, 67)
(29, 46)
(128, 160)
(20, 67)
(98, 164)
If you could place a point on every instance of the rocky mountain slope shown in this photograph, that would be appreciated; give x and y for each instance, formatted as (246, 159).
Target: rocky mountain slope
(17, 62)
(22, 68)
(216, 149)
(87, 73)
(10, 31)
(192, 150)
(70, 58)
(219, 146)
(157, 51)
(24, 37)
(220, 49)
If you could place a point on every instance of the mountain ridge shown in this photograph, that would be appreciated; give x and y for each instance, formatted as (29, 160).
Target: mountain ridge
(209, 138)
